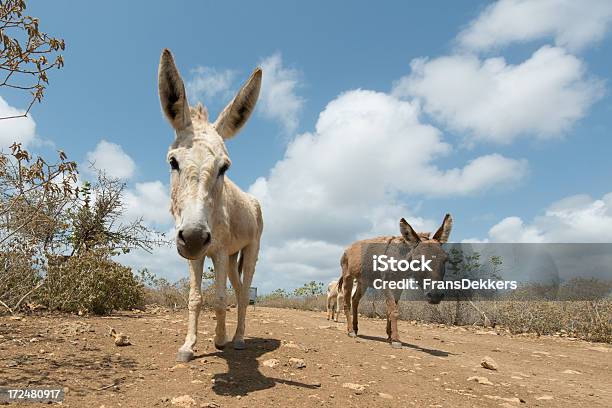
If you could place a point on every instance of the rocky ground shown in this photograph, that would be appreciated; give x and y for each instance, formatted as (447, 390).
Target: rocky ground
(297, 358)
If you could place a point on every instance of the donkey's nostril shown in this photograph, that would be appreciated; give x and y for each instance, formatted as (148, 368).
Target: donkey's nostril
(206, 238)
(180, 237)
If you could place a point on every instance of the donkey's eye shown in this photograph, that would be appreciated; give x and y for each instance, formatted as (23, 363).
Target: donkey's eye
(223, 169)
(174, 164)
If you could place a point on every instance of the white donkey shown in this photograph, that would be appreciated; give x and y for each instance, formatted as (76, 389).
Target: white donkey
(335, 300)
(213, 217)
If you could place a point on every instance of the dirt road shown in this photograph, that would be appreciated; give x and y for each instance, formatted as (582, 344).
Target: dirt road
(432, 369)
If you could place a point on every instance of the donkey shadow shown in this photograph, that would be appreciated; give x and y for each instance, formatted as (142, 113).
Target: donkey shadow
(243, 375)
(433, 352)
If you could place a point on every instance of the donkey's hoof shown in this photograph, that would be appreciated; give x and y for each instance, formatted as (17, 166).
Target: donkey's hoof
(239, 345)
(352, 334)
(184, 356)
(396, 344)
(219, 346)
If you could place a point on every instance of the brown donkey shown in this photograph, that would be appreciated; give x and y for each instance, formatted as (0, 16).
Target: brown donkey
(356, 264)
(213, 217)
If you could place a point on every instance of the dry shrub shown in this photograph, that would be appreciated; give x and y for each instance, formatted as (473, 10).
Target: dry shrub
(159, 291)
(58, 240)
(92, 283)
(18, 276)
(314, 303)
(588, 320)
(171, 295)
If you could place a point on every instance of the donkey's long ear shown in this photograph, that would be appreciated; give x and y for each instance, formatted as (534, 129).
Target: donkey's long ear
(444, 231)
(408, 233)
(237, 112)
(172, 93)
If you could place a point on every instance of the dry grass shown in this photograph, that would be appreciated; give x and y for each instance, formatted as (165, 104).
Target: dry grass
(314, 303)
(175, 296)
(589, 320)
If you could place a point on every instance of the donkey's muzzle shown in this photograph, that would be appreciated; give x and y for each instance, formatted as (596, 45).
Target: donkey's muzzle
(192, 242)
(434, 297)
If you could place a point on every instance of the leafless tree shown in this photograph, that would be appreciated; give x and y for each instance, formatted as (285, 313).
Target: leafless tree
(26, 53)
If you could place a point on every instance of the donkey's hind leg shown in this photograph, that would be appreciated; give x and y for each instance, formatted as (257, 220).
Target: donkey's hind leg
(347, 288)
(247, 264)
(339, 304)
(234, 275)
(355, 305)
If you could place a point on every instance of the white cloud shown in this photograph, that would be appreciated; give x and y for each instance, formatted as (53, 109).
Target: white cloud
(578, 218)
(163, 261)
(278, 99)
(512, 229)
(496, 101)
(348, 178)
(112, 159)
(20, 130)
(149, 201)
(297, 261)
(208, 83)
(572, 24)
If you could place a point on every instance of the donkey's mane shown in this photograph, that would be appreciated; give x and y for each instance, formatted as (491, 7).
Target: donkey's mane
(199, 113)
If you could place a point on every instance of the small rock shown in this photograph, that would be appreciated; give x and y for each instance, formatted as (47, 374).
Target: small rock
(121, 339)
(514, 400)
(385, 396)
(571, 372)
(272, 363)
(178, 366)
(480, 380)
(297, 362)
(210, 405)
(488, 363)
(545, 398)
(183, 401)
(358, 388)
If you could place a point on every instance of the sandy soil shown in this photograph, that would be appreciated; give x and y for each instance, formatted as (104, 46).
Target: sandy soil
(433, 369)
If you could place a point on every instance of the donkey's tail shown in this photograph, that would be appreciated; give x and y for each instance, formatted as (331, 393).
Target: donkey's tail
(343, 262)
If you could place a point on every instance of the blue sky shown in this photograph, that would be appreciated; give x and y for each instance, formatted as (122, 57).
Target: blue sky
(520, 92)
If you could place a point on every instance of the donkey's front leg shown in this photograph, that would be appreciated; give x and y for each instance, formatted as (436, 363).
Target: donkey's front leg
(185, 353)
(392, 316)
(221, 265)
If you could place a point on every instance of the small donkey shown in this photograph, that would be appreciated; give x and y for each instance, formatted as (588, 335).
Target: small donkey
(213, 217)
(356, 265)
(335, 300)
